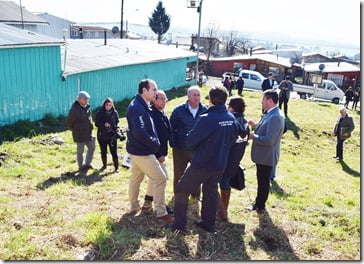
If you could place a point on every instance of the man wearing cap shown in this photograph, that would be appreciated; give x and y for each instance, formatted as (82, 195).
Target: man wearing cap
(343, 128)
(80, 123)
(286, 87)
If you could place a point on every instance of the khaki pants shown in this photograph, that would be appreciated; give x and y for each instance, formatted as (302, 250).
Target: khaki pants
(150, 185)
(150, 166)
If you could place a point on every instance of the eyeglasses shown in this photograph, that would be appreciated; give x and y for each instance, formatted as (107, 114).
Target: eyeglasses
(163, 99)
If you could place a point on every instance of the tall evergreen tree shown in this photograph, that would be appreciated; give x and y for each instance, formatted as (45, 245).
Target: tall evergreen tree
(160, 21)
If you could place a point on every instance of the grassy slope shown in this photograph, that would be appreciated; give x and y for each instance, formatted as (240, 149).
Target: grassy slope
(313, 209)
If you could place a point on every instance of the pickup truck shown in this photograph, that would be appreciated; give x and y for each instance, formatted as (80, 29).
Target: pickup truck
(326, 90)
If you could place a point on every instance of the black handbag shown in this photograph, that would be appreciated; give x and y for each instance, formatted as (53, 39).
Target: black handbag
(238, 180)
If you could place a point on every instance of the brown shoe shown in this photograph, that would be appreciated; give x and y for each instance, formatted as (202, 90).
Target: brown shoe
(167, 218)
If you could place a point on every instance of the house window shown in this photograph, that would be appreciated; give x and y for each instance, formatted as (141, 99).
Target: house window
(336, 78)
(253, 67)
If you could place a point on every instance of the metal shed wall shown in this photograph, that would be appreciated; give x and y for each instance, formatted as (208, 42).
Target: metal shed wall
(31, 84)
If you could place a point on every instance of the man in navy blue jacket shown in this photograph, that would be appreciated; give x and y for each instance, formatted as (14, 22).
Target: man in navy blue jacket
(142, 144)
(183, 118)
(210, 140)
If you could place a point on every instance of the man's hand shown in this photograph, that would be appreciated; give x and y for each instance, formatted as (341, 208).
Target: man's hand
(161, 159)
(251, 123)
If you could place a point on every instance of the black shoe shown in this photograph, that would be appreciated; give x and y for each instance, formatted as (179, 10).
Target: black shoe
(204, 227)
(338, 158)
(103, 168)
(335, 157)
(169, 210)
(172, 228)
(255, 208)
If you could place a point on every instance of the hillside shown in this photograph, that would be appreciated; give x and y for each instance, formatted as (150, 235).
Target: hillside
(47, 212)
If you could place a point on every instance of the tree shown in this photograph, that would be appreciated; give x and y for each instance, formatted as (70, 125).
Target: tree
(212, 44)
(234, 42)
(160, 21)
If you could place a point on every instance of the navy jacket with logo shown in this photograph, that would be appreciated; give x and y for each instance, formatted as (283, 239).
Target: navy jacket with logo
(212, 137)
(142, 136)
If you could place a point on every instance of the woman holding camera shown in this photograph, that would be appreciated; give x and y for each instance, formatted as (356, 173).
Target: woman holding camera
(107, 122)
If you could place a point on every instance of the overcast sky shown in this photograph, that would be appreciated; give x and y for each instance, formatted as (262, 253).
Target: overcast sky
(322, 19)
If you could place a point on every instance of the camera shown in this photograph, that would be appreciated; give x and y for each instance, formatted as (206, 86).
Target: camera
(118, 135)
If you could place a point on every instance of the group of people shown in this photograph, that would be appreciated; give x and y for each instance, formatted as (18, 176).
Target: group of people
(229, 83)
(207, 144)
(353, 96)
(80, 122)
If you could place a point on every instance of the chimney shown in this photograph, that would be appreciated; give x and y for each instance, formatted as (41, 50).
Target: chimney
(105, 42)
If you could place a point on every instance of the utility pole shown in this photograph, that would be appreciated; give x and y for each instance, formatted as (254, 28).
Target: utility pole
(21, 13)
(121, 19)
(199, 10)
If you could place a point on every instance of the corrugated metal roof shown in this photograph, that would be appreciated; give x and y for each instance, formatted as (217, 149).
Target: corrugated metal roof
(332, 67)
(10, 13)
(11, 36)
(91, 54)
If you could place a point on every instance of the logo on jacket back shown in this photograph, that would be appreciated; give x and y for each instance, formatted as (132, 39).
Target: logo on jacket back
(226, 123)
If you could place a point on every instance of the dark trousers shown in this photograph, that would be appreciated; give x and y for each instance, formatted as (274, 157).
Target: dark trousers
(283, 100)
(240, 89)
(181, 158)
(263, 173)
(339, 148)
(112, 146)
(190, 180)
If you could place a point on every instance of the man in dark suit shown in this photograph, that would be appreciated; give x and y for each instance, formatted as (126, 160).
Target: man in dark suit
(343, 128)
(266, 145)
(268, 83)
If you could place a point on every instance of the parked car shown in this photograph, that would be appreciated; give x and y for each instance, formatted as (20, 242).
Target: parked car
(252, 79)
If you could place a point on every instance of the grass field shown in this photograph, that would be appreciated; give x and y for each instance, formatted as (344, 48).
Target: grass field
(47, 212)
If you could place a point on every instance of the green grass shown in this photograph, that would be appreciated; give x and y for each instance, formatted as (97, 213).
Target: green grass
(313, 211)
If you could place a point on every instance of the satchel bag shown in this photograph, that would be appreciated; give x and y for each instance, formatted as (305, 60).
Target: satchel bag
(238, 180)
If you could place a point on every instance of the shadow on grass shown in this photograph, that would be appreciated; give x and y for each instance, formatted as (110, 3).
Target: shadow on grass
(277, 190)
(272, 239)
(349, 170)
(131, 232)
(292, 126)
(226, 244)
(80, 178)
(324, 105)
